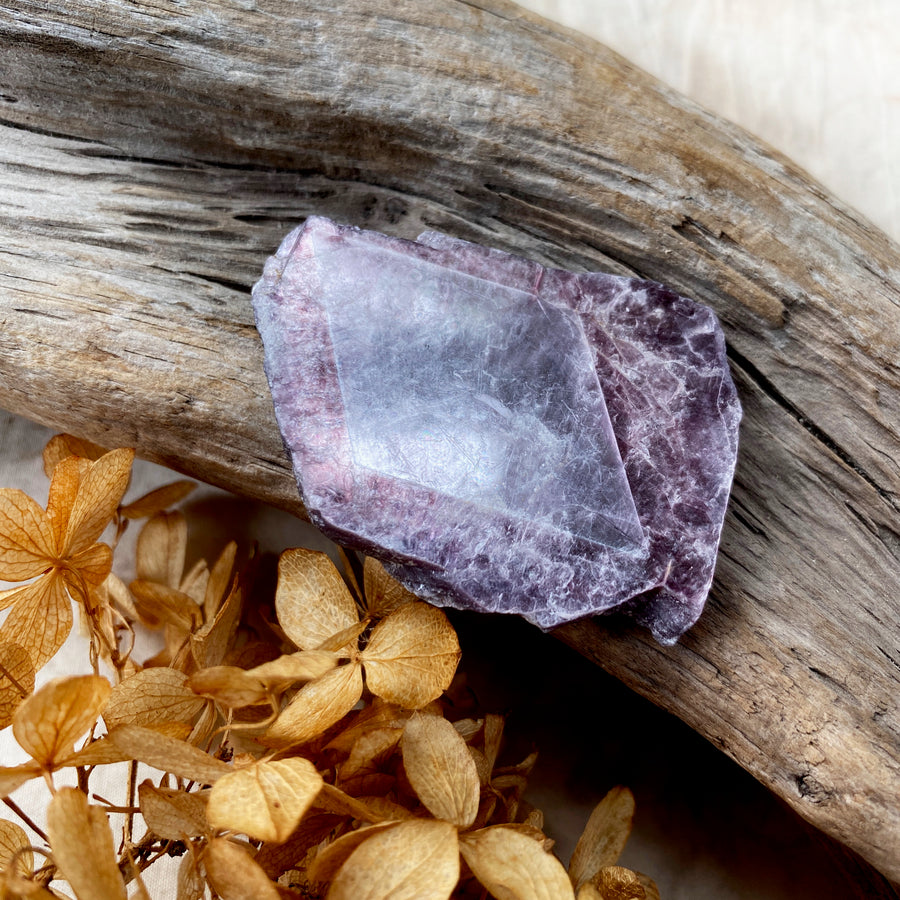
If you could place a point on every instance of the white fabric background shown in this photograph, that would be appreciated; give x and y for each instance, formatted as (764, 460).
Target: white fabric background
(820, 80)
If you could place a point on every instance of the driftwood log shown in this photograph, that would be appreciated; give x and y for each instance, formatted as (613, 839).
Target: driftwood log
(152, 155)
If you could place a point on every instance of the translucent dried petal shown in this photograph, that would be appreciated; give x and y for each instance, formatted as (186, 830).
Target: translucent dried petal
(618, 883)
(650, 889)
(157, 500)
(210, 643)
(62, 446)
(83, 847)
(27, 542)
(229, 686)
(316, 707)
(412, 656)
(12, 840)
(12, 777)
(334, 800)
(98, 499)
(417, 858)
(195, 582)
(16, 680)
(293, 667)
(159, 605)
(190, 881)
(345, 641)
(312, 602)
(234, 875)
(90, 565)
(41, 619)
(49, 722)
(370, 751)
(168, 754)
(265, 801)
(384, 594)
(513, 866)
(441, 769)
(604, 836)
(315, 827)
(101, 752)
(161, 549)
(378, 714)
(220, 578)
(493, 737)
(150, 697)
(67, 478)
(331, 857)
(172, 814)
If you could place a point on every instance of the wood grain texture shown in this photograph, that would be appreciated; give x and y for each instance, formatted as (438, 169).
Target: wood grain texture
(152, 155)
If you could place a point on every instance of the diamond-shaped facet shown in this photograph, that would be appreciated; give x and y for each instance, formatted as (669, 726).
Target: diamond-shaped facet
(473, 389)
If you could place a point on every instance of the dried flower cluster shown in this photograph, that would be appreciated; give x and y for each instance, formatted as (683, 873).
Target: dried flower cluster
(309, 753)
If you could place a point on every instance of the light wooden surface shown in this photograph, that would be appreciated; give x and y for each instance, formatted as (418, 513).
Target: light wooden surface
(150, 159)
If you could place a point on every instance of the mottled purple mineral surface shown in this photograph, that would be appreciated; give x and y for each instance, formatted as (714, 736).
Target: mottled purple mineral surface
(505, 437)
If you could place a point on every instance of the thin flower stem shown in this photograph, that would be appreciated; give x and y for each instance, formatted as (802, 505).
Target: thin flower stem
(129, 816)
(6, 673)
(25, 818)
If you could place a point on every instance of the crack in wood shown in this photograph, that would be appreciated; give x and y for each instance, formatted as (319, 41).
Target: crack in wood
(768, 387)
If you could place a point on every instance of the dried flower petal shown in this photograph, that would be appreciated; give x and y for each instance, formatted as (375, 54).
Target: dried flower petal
(604, 836)
(150, 697)
(312, 602)
(49, 722)
(334, 800)
(167, 754)
(416, 858)
(293, 667)
(513, 866)
(384, 594)
(370, 750)
(67, 479)
(190, 881)
(316, 707)
(12, 777)
(210, 643)
(274, 859)
(228, 685)
(161, 549)
(158, 604)
(412, 655)
(220, 576)
(650, 889)
(41, 619)
(172, 814)
(330, 858)
(234, 875)
(441, 769)
(378, 714)
(27, 542)
(83, 847)
(265, 801)
(16, 680)
(12, 840)
(618, 883)
(99, 495)
(157, 500)
(62, 446)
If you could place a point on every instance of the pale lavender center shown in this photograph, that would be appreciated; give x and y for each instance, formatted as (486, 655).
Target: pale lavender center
(474, 390)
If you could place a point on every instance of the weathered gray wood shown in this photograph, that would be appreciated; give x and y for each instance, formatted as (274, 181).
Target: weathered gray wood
(151, 156)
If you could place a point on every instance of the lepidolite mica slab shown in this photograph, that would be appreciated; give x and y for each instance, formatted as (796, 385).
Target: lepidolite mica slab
(505, 437)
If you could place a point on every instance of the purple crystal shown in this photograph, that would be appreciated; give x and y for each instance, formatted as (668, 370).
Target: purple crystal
(507, 437)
